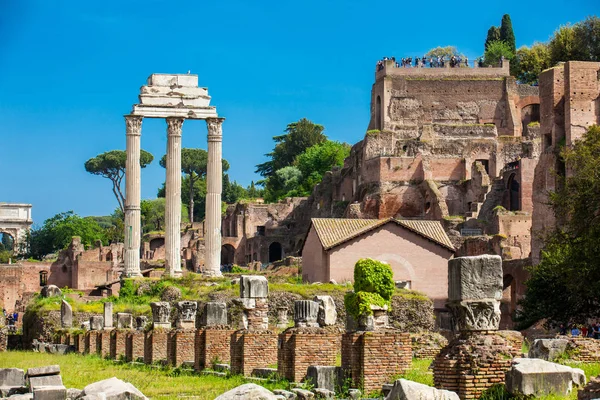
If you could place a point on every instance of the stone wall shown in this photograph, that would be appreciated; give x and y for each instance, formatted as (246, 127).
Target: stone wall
(427, 344)
(583, 349)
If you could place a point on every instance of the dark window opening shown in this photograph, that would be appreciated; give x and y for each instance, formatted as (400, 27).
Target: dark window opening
(260, 231)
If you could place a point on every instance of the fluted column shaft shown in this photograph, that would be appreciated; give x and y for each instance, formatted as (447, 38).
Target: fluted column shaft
(214, 183)
(173, 198)
(132, 197)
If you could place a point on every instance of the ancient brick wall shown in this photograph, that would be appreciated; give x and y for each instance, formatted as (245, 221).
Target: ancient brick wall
(427, 344)
(212, 345)
(134, 346)
(473, 362)
(79, 341)
(582, 88)
(103, 343)
(118, 340)
(250, 350)
(91, 342)
(584, 349)
(183, 347)
(369, 359)
(156, 346)
(88, 274)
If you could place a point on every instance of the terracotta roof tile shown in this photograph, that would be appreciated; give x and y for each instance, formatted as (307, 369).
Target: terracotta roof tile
(334, 231)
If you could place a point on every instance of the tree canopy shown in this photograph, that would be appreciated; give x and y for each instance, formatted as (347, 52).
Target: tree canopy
(111, 165)
(496, 51)
(57, 232)
(447, 52)
(565, 287)
(531, 61)
(506, 33)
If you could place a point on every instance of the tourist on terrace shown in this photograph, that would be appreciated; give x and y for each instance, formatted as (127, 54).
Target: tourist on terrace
(466, 61)
(16, 317)
(575, 332)
(562, 330)
(10, 321)
(596, 331)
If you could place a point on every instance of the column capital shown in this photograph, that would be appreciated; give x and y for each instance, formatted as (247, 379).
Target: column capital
(133, 124)
(174, 125)
(214, 126)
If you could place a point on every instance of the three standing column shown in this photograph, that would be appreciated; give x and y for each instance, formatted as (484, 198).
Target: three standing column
(214, 182)
(173, 199)
(132, 199)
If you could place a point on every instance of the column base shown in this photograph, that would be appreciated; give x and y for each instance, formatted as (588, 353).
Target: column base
(212, 274)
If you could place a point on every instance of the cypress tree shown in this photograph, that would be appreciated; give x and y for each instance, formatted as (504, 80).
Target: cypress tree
(492, 36)
(506, 33)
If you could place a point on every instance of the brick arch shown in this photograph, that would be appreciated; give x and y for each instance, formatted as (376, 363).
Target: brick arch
(527, 101)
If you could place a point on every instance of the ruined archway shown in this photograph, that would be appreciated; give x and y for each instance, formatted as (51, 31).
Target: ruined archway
(275, 252)
(227, 254)
(7, 241)
(15, 221)
(514, 195)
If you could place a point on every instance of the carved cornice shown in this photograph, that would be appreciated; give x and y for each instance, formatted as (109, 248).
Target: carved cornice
(174, 125)
(133, 124)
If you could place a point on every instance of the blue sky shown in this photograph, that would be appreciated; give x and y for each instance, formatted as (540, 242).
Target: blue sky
(70, 70)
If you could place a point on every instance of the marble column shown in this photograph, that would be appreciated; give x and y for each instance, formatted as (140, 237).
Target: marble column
(173, 199)
(132, 200)
(214, 183)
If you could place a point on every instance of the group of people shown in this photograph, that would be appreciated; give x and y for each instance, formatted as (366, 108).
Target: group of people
(434, 62)
(10, 318)
(591, 331)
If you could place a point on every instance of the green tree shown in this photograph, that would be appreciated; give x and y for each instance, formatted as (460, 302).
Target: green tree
(57, 232)
(493, 35)
(447, 52)
(318, 159)
(531, 61)
(285, 183)
(587, 38)
(506, 33)
(111, 165)
(565, 286)
(496, 51)
(563, 45)
(299, 136)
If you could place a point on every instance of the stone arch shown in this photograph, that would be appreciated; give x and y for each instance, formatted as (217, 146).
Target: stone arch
(529, 110)
(227, 254)
(8, 240)
(514, 193)
(275, 252)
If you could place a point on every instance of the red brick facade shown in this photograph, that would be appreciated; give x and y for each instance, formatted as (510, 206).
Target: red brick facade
(91, 340)
(182, 346)
(118, 338)
(297, 349)
(212, 345)
(156, 346)
(250, 350)
(103, 343)
(369, 359)
(475, 361)
(134, 346)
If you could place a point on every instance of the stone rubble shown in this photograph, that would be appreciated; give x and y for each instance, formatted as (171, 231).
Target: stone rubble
(536, 377)
(408, 390)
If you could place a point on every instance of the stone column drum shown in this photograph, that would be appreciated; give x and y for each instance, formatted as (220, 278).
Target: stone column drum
(173, 199)
(214, 176)
(132, 200)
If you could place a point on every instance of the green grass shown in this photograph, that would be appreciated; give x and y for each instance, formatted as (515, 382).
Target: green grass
(157, 383)
(419, 372)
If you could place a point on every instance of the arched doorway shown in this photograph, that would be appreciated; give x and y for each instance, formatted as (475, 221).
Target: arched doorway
(7, 241)
(275, 252)
(378, 113)
(227, 254)
(514, 196)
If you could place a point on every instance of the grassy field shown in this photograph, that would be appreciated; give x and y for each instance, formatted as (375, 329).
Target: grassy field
(78, 371)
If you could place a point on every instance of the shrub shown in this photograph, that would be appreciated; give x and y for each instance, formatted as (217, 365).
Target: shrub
(373, 285)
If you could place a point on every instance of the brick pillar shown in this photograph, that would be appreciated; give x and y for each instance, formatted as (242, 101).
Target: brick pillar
(103, 343)
(371, 358)
(212, 345)
(250, 350)
(80, 343)
(182, 347)
(299, 348)
(156, 346)
(134, 346)
(118, 338)
(91, 340)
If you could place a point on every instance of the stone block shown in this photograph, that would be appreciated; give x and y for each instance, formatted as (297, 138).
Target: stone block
(113, 389)
(282, 317)
(475, 278)
(186, 317)
(327, 311)
(13, 391)
(306, 313)
(26, 396)
(12, 377)
(214, 314)
(41, 371)
(108, 315)
(548, 349)
(536, 377)
(96, 323)
(50, 393)
(303, 394)
(161, 314)
(140, 322)
(286, 394)
(254, 286)
(247, 391)
(124, 321)
(321, 393)
(73, 394)
(264, 372)
(51, 291)
(47, 380)
(66, 315)
(326, 377)
(408, 390)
